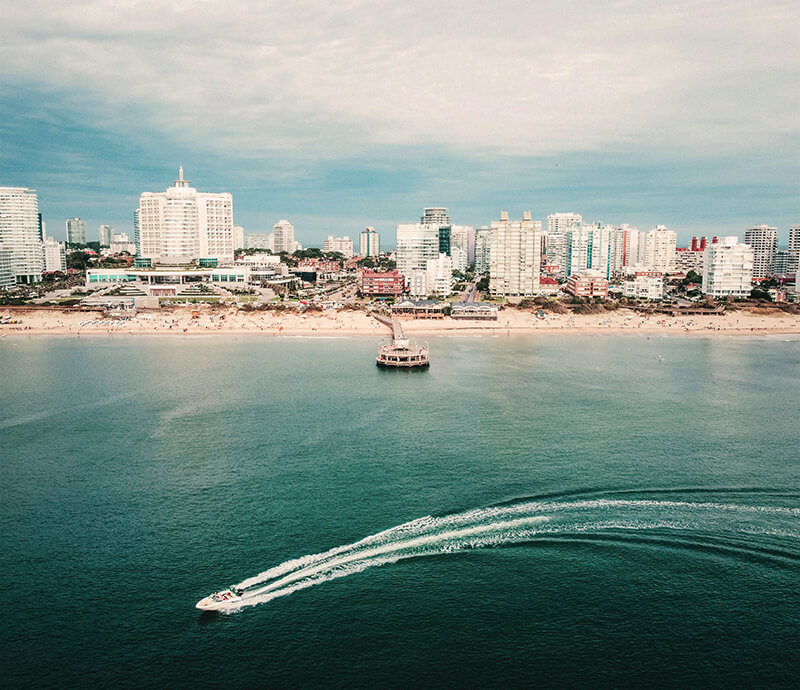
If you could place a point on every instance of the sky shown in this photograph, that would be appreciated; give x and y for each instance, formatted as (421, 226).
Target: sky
(341, 115)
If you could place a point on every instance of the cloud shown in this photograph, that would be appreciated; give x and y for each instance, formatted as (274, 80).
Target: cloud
(331, 80)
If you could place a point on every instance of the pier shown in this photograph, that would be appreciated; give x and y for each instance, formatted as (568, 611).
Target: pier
(401, 353)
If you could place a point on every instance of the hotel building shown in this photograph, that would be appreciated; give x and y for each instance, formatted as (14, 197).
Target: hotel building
(182, 225)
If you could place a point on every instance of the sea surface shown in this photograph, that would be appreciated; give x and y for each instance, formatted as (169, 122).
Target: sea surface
(559, 511)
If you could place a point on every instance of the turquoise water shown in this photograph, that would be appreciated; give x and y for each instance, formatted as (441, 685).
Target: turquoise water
(562, 510)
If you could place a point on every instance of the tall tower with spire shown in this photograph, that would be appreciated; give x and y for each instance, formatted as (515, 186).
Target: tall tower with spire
(182, 225)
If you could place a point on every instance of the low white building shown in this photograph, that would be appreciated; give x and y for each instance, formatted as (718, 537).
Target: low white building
(644, 287)
(727, 268)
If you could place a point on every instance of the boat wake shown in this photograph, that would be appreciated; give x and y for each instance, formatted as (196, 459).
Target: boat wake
(752, 531)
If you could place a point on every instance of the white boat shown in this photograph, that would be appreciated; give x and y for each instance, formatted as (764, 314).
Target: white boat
(220, 600)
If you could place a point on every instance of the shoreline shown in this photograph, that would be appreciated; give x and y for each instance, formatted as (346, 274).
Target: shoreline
(353, 323)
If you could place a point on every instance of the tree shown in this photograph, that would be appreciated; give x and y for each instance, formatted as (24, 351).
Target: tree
(78, 260)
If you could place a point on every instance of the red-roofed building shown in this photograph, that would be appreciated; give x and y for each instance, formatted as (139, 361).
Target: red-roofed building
(386, 284)
(548, 286)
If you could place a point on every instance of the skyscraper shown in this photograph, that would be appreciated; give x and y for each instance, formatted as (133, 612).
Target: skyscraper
(794, 250)
(589, 247)
(515, 256)
(238, 237)
(416, 244)
(557, 238)
(104, 232)
(659, 254)
(370, 244)
(182, 225)
(136, 231)
(483, 243)
(463, 237)
(21, 233)
(283, 237)
(764, 241)
(76, 231)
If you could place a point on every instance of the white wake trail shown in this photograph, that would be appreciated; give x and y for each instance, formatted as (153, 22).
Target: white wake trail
(507, 524)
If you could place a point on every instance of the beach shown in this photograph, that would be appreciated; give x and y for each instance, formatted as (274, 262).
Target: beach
(181, 321)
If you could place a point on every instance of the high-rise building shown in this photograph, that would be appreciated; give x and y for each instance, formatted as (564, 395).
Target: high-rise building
(439, 276)
(259, 240)
(76, 231)
(55, 255)
(589, 248)
(794, 250)
(283, 237)
(764, 241)
(515, 256)
(21, 233)
(557, 238)
(659, 254)
(136, 231)
(780, 266)
(104, 233)
(416, 244)
(182, 225)
(483, 244)
(238, 237)
(6, 268)
(370, 242)
(342, 245)
(727, 268)
(463, 237)
(435, 215)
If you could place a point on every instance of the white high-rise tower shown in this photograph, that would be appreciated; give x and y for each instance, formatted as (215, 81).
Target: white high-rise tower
(515, 256)
(21, 234)
(182, 225)
(764, 241)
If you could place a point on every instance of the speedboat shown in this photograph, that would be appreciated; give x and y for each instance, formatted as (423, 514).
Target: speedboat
(220, 600)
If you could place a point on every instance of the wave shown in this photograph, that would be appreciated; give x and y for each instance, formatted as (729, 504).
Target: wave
(738, 530)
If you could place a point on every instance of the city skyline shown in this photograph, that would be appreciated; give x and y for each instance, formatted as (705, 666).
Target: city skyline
(624, 114)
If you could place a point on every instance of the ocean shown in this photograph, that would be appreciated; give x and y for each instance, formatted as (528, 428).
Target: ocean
(558, 511)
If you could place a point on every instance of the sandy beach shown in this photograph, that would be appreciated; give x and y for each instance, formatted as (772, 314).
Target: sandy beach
(354, 323)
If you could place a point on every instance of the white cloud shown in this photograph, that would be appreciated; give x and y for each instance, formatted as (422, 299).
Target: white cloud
(332, 79)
